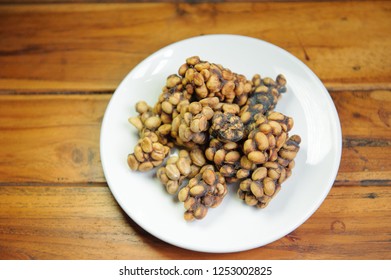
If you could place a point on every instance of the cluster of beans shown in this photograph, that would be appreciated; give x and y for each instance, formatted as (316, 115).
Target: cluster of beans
(226, 130)
(179, 167)
(266, 180)
(206, 190)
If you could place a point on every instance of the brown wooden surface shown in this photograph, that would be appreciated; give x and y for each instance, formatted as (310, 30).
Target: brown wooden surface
(60, 64)
(53, 222)
(92, 47)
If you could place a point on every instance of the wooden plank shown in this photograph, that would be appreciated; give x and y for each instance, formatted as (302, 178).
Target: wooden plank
(364, 115)
(79, 222)
(366, 128)
(43, 47)
(365, 165)
(55, 138)
(51, 138)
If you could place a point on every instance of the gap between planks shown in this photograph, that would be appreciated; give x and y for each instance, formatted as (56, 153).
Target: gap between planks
(337, 183)
(330, 88)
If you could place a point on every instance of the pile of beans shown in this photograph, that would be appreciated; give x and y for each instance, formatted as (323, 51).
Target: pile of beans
(226, 130)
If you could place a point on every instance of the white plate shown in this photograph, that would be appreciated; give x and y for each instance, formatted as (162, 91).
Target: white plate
(232, 226)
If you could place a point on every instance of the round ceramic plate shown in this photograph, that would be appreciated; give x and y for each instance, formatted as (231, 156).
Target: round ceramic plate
(233, 226)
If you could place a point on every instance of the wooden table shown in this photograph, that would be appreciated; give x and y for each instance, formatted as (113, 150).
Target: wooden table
(60, 64)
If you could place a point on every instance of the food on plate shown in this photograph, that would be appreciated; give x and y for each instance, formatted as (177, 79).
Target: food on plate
(226, 130)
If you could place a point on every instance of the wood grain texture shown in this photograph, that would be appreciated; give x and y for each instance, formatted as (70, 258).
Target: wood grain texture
(55, 138)
(45, 222)
(51, 138)
(61, 62)
(366, 128)
(93, 46)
